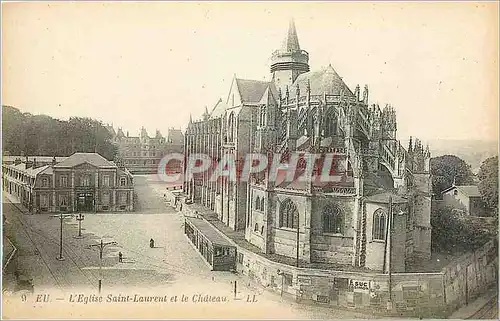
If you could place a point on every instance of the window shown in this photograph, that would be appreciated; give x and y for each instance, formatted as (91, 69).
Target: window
(123, 181)
(231, 127)
(64, 181)
(289, 216)
(257, 203)
(379, 227)
(44, 200)
(123, 198)
(105, 180)
(333, 221)
(262, 230)
(63, 200)
(85, 180)
(262, 204)
(455, 192)
(105, 198)
(45, 182)
(263, 116)
(256, 228)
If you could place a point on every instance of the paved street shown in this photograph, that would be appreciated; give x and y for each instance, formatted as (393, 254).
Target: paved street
(173, 265)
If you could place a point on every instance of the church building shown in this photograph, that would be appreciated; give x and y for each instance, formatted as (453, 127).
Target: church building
(375, 211)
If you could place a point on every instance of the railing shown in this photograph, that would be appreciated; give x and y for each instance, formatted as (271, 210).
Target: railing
(337, 190)
(332, 98)
(368, 152)
(336, 150)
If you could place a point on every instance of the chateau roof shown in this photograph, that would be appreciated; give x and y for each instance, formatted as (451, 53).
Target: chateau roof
(467, 190)
(90, 158)
(324, 81)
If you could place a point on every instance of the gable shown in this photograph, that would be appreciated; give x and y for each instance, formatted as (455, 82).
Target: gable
(234, 98)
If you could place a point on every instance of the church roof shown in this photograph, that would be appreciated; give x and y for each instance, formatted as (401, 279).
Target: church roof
(90, 158)
(291, 42)
(324, 81)
(219, 109)
(384, 198)
(251, 91)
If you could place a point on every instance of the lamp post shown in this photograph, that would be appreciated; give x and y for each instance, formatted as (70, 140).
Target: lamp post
(61, 217)
(100, 246)
(80, 217)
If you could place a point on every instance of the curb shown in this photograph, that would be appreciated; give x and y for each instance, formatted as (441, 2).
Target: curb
(10, 256)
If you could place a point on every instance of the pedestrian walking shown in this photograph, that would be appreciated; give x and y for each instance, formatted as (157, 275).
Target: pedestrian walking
(120, 257)
(151, 243)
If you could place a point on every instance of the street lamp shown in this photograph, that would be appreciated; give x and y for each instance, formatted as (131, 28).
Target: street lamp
(80, 217)
(61, 217)
(100, 246)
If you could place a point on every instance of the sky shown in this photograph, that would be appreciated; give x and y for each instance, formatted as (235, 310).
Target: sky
(153, 64)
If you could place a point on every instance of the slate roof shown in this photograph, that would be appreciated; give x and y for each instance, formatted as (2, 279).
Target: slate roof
(90, 158)
(467, 190)
(219, 109)
(39, 159)
(208, 231)
(384, 198)
(251, 91)
(291, 42)
(323, 81)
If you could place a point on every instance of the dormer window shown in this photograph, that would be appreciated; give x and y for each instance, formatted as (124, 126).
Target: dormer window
(123, 181)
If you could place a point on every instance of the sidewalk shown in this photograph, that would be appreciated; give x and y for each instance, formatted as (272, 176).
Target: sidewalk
(468, 311)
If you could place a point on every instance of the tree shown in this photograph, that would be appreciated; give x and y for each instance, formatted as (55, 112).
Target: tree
(26, 134)
(445, 169)
(488, 182)
(452, 234)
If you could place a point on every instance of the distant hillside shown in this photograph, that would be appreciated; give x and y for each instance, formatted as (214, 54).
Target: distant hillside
(474, 152)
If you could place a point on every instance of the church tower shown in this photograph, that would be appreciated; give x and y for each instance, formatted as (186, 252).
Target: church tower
(290, 61)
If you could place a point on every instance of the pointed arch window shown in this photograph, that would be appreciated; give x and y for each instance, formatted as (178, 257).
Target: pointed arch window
(330, 125)
(379, 224)
(289, 216)
(333, 220)
(231, 126)
(257, 203)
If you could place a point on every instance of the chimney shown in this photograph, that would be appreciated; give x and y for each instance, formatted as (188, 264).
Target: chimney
(54, 161)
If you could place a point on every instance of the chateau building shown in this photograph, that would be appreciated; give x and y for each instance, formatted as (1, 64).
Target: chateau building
(142, 154)
(375, 211)
(83, 182)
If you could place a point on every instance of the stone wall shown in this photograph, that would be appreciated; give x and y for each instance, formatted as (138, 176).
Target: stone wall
(410, 294)
(470, 275)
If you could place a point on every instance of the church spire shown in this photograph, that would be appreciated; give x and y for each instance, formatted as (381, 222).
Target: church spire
(288, 62)
(291, 43)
